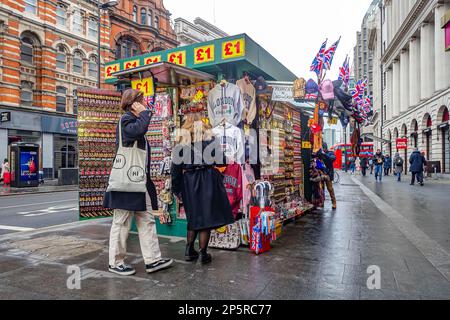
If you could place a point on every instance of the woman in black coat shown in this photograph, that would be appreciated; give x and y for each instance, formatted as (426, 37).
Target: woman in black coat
(200, 184)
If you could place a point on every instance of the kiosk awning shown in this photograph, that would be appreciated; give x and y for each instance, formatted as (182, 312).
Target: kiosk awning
(375, 138)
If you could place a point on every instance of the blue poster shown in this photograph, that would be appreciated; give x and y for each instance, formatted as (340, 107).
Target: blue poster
(29, 164)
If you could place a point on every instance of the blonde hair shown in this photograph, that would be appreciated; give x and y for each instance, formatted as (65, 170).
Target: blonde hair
(194, 130)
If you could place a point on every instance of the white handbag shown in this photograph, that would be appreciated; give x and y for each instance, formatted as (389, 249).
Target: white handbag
(128, 173)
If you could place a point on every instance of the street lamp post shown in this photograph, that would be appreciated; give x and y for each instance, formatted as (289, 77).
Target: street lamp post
(100, 7)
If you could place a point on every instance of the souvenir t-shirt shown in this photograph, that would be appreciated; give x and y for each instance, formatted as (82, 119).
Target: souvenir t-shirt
(248, 178)
(232, 179)
(231, 141)
(248, 94)
(225, 102)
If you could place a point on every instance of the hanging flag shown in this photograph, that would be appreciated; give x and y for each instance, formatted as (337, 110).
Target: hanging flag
(329, 54)
(317, 64)
(344, 71)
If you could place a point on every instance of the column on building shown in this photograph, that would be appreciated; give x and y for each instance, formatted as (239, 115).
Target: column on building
(442, 58)
(48, 153)
(388, 22)
(3, 144)
(389, 97)
(404, 80)
(394, 11)
(427, 67)
(414, 71)
(396, 89)
(403, 9)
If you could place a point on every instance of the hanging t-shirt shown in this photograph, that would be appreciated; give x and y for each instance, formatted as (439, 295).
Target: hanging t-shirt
(248, 178)
(233, 185)
(249, 96)
(231, 141)
(225, 102)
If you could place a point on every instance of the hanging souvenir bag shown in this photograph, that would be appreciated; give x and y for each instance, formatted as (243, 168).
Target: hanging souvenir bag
(227, 237)
(128, 171)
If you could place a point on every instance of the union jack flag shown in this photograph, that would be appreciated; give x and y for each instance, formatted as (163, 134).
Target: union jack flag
(344, 71)
(317, 64)
(329, 54)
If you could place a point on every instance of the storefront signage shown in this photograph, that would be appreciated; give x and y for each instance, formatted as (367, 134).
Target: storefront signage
(59, 125)
(402, 144)
(283, 93)
(333, 121)
(5, 116)
(192, 56)
(306, 145)
(144, 85)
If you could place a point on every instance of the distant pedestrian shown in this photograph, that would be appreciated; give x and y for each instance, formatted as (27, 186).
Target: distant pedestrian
(371, 165)
(387, 165)
(364, 163)
(425, 166)
(5, 171)
(398, 166)
(352, 162)
(417, 162)
(378, 161)
(358, 164)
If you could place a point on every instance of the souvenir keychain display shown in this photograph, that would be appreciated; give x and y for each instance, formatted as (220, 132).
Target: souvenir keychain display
(98, 115)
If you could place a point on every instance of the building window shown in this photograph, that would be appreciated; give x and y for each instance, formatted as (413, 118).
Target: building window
(156, 22)
(78, 21)
(135, 16)
(31, 6)
(78, 62)
(127, 47)
(26, 50)
(93, 67)
(75, 102)
(26, 93)
(150, 17)
(143, 16)
(61, 58)
(61, 99)
(93, 28)
(61, 15)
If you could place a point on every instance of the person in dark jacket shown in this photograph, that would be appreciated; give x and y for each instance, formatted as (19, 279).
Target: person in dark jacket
(387, 165)
(199, 184)
(328, 158)
(378, 161)
(398, 166)
(364, 164)
(134, 125)
(417, 162)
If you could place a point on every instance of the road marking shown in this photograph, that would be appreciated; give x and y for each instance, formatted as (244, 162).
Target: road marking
(12, 228)
(37, 204)
(432, 251)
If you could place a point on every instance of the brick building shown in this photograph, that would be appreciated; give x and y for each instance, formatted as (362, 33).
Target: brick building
(48, 49)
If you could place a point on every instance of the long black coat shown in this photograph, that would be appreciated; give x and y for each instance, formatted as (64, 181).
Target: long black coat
(133, 129)
(201, 187)
(417, 161)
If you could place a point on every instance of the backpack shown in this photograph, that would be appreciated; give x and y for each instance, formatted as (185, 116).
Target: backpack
(399, 162)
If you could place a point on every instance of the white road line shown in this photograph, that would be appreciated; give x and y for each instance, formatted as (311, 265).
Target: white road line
(37, 204)
(12, 228)
(432, 251)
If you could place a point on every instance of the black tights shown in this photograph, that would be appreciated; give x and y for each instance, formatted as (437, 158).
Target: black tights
(203, 239)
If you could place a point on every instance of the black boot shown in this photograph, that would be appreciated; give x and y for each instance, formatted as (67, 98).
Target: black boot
(205, 257)
(191, 254)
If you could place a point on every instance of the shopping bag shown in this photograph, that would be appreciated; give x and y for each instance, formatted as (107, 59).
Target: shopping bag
(7, 178)
(227, 237)
(128, 171)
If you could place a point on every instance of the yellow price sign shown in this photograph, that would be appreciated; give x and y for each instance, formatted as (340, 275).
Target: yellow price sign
(306, 145)
(109, 70)
(144, 85)
(333, 121)
(152, 60)
(204, 54)
(131, 64)
(178, 58)
(233, 49)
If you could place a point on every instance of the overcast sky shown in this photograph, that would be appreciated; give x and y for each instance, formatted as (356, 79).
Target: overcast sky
(291, 30)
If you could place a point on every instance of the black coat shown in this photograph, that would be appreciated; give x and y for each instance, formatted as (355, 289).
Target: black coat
(417, 161)
(133, 129)
(328, 159)
(201, 187)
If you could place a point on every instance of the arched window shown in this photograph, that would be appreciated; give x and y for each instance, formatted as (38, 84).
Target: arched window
(26, 93)
(150, 17)
(93, 66)
(26, 50)
(61, 99)
(135, 16)
(143, 16)
(61, 58)
(127, 47)
(61, 14)
(78, 62)
(156, 22)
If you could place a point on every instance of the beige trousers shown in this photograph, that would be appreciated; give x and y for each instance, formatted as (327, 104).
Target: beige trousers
(120, 230)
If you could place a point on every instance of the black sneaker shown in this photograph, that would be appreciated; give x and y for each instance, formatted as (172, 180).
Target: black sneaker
(158, 265)
(122, 270)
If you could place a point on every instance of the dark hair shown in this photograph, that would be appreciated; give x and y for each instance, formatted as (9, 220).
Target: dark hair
(6, 160)
(129, 97)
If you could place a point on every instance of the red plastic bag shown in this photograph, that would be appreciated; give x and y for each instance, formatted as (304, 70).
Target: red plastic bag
(7, 178)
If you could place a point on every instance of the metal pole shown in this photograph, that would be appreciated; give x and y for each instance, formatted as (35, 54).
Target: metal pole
(345, 149)
(99, 47)
(381, 72)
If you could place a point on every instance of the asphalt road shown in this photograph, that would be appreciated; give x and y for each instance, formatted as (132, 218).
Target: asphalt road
(25, 212)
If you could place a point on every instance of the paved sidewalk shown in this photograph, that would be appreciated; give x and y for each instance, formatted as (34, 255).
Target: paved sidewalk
(325, 255)
(48, 187)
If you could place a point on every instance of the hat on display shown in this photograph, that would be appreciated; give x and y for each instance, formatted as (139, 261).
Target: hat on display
(299, 88)
(311, 87)
(344, 98)
(327, 90)
(261, 86)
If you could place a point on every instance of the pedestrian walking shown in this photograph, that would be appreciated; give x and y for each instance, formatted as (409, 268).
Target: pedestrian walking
(199, 184)
(358, 164)
(371, 165)
(417, 163)
(5, 174)
(364, 164)
(352, 165)
(387, 165)
(398, 166)
(133, 148)
(328, 157)
(378, 161)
